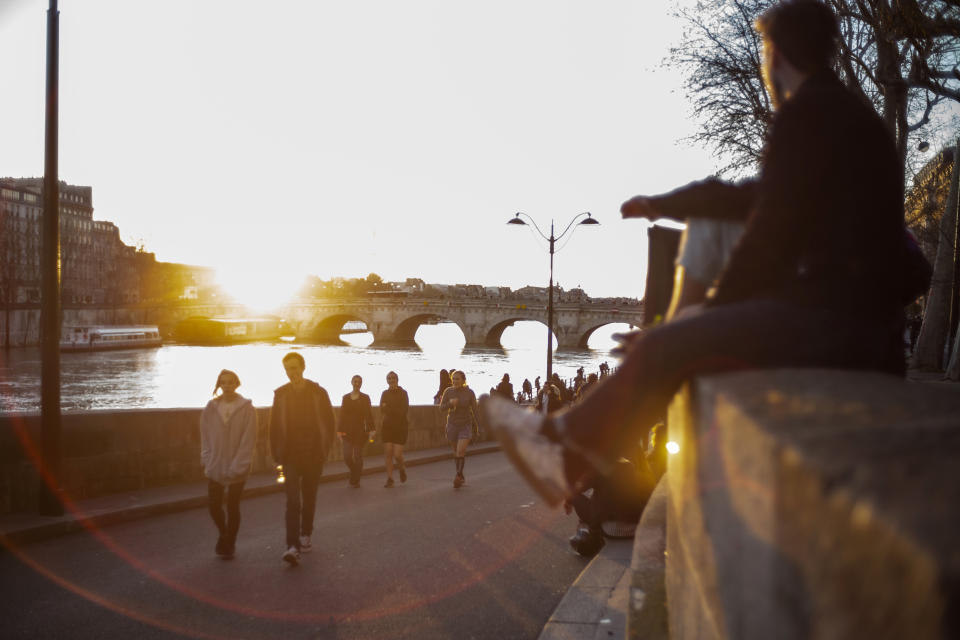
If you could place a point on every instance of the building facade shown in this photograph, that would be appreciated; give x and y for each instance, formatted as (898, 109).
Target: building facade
(97, 268)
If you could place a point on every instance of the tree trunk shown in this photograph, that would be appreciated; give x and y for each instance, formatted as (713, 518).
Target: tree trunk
(936, 318)
(953, 210)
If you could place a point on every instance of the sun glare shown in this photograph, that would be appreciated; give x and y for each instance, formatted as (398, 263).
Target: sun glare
(260, 290)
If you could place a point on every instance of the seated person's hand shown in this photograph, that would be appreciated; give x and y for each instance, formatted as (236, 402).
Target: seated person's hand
(638, 207)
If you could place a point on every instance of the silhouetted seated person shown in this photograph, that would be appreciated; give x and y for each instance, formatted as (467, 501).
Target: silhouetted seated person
(816, 280)
(611, 506)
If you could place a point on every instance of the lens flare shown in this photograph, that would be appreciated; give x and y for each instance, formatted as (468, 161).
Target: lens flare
(673, 447)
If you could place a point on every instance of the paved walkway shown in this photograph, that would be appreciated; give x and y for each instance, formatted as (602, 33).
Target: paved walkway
(121, 507)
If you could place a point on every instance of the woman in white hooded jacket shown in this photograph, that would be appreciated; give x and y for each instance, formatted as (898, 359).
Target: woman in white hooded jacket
(228, 433)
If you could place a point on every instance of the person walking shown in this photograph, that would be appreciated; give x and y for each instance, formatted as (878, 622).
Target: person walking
(445, 384)
(228, 433)
(527, 389)
(394, 403)
(355, 428)
(460, 403)
(301, 431)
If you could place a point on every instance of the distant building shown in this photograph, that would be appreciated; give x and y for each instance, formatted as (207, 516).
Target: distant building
(96, 266)
(535, 293)
(926, 200)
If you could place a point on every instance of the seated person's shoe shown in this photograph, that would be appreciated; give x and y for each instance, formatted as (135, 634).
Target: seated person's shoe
(538, 459)
(588, 541)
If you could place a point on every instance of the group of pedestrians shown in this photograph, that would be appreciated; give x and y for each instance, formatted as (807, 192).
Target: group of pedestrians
(557, 393)
(302, 431)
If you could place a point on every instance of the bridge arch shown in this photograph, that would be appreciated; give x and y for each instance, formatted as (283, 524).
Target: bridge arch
(582, 342)
(404, 332)
(494, 334)
(328, 329)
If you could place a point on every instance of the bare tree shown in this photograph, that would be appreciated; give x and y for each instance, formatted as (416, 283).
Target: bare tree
(720, 53)
(899, 55)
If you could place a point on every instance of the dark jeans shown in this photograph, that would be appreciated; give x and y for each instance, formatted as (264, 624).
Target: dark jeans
(746, 335)
(228, 524)
(353, 456)
(621, 496)
(301, 489)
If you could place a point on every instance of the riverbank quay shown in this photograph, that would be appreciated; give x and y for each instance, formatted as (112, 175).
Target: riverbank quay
(123, 451)
(94, 513)
(805, 504)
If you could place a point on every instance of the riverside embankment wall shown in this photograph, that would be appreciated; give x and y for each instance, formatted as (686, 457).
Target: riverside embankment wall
(805, 504)
(113, 451)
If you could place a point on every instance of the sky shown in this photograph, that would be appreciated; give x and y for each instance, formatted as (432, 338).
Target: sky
(274, 140)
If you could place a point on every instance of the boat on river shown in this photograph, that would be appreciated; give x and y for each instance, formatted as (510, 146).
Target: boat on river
(204, 330)
(101, 338)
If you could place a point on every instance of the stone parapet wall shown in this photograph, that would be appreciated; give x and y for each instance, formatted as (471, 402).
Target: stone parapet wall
(813, 504)
(113, 451)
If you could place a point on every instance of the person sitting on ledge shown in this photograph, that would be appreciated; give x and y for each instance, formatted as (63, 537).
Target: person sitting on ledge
(816, 280)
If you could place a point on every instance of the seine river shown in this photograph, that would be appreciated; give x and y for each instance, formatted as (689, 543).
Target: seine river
(184, 376)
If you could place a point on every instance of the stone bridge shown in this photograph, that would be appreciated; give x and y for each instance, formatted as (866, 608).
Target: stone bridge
(482, 321)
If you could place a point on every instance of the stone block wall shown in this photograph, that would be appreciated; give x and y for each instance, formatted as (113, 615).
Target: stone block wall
(813, 504)
(113, 451)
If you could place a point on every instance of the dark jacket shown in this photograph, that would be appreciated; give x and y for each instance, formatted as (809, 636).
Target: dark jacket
(394, 405)
(320, 423)
(465, 411)
(356, 418)
(824, 221)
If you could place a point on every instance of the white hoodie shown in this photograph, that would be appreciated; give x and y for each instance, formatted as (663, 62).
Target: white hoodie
(226, 449)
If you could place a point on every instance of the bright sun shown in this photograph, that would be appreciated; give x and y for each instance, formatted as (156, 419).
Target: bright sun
(259, 289)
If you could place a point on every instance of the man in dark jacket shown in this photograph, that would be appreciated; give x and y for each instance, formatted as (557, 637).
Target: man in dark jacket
(816, 280)
(301, 431)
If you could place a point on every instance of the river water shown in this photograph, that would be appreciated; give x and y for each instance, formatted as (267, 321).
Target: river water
(184, 376)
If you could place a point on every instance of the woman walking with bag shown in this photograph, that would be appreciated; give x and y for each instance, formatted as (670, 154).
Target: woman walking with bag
(228, 433)
(460, 403)
(394, 403)
(356, 421)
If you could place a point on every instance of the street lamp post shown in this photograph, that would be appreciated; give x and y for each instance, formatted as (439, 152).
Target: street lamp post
(51, 452)
(552, 239)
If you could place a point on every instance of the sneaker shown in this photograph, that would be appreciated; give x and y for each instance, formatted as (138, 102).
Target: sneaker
(618, 529)
(403, 472)
(305, 544)
(292, 556)
(538, 459)
(388, 484)
(587, 541)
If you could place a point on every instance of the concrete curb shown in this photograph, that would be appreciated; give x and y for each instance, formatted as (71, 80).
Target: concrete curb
(595, 606)
(20, 529)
